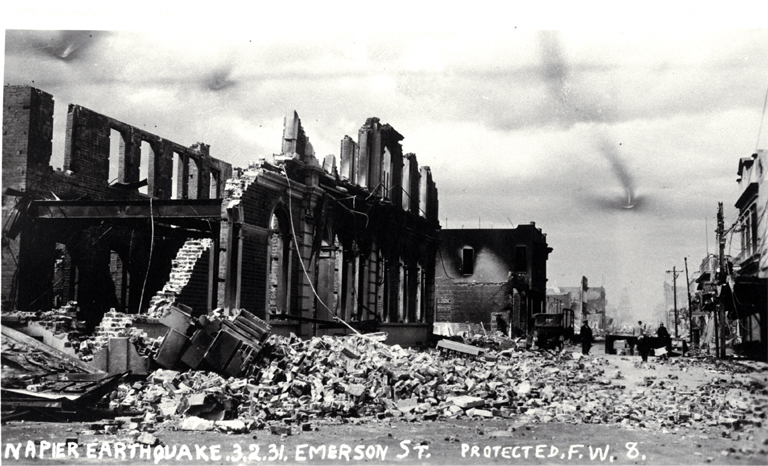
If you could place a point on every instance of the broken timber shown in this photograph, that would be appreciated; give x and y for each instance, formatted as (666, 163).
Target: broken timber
(27, 340)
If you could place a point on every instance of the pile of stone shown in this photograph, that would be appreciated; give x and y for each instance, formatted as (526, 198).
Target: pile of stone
(298, 381)
(116, 325)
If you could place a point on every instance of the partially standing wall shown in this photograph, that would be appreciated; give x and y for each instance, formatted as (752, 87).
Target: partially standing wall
(307, 245)
(100, 262)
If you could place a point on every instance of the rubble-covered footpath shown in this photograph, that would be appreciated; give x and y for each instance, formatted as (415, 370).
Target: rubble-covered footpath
(345, 378)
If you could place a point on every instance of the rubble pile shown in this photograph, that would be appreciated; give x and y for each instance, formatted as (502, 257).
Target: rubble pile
(117, 325)
(496, 341)
(26, 367)
(354, 377)
(726, 366)
(61, 320)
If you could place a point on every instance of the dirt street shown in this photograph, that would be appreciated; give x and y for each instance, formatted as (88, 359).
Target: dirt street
(463, 441)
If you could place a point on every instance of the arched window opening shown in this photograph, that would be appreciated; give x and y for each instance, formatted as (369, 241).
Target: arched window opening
(278, 285)
(147, 157)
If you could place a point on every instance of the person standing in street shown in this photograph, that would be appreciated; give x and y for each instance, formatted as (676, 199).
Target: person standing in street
(586, 338)
(664, 337)
(643, 347)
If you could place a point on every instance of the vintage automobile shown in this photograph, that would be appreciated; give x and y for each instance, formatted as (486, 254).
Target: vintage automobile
(551, 330)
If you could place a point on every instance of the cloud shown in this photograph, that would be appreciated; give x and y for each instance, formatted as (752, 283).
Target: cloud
(67, 46)
(559, 128)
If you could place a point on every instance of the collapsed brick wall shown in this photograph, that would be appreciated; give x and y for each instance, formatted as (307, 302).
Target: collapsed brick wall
(188, 280)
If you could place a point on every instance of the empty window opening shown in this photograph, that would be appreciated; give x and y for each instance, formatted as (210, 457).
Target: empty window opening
(119, 275)
(521, 259)
(278, 285)
(63, 284)
(147, 156)
(467, 261)
(176, 177)
(116, 147)
(193, 189)
(213, 193)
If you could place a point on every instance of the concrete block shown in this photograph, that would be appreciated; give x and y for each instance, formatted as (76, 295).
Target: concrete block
(196, 423)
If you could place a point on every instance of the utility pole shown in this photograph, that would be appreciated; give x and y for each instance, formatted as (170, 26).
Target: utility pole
(674, 293)
(721, 276)
(690, 309)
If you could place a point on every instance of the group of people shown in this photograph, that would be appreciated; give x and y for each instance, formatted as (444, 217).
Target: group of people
(643, 340)
(644, 343)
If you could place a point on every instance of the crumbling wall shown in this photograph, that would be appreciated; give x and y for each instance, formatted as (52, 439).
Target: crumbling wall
(469, 302)
(27, 145)
(87, 156)
(188, 279)
(29, 251)
(349, 244)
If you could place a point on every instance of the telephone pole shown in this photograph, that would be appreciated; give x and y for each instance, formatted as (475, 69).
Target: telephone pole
(721, 276)
(674, 293)
(690, 309)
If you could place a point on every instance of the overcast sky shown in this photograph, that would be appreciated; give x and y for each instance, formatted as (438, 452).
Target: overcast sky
(563, 127)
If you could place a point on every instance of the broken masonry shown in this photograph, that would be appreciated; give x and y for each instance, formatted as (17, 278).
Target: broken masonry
(297, 241)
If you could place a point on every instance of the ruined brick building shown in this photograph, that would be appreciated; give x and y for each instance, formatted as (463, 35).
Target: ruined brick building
(133, 221)
(482, 273)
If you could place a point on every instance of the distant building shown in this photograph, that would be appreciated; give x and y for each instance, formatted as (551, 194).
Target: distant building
(594, 308)
(480, 272)
(557, 301)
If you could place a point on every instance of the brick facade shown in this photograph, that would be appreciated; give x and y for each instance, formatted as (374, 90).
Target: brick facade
(483, 272)
(293, 236)
(30, 247)
(317, 244)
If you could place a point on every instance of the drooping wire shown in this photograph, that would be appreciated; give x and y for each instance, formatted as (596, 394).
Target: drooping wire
(760, 129)
(151, 247)
(298, 251)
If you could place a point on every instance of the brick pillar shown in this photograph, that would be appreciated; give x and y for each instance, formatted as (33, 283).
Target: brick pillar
(26, 155)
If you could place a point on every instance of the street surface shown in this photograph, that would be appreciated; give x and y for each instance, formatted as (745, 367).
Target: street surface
(463, 441)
